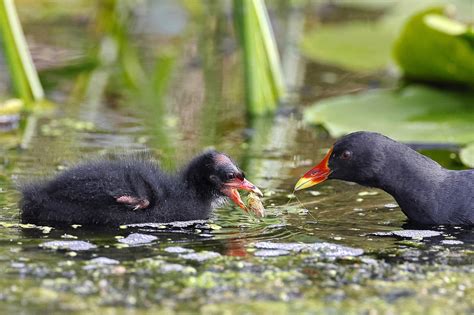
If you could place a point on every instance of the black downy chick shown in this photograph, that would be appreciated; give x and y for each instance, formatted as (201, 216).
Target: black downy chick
(134, 191)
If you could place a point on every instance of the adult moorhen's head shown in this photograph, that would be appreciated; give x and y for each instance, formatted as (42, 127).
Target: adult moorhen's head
(214, 174)
(358, 157)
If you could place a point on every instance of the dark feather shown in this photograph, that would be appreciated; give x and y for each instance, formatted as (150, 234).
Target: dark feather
(90, 193)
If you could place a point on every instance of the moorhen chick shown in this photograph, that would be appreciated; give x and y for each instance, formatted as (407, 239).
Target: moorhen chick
(426, 192)
(131, 190)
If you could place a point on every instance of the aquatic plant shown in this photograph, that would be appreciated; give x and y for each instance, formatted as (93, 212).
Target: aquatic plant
(264, 85)
(453, 40)
(23, 72)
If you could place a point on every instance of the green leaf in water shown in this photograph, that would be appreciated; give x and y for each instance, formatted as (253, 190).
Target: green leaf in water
(467, 155)
(445, 53)
(361, 45)
(412, 114)
(356, 46)
(366, 45)
(444, 24)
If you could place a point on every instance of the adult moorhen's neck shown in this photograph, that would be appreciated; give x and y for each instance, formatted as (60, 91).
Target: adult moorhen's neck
(414, 181)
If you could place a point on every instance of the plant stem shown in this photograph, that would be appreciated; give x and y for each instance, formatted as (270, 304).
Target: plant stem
(24, 76)
(264, 85)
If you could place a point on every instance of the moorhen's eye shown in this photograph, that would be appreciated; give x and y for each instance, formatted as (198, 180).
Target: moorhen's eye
(346, 155)
(230, 176)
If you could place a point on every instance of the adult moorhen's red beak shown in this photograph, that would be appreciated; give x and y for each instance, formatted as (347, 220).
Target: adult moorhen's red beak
(316, 175)
(231, 190)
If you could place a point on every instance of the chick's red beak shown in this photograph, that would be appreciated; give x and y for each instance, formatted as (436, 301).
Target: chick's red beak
(316, 175)
(231, 190)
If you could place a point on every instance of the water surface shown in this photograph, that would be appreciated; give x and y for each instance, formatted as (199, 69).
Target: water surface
(323, 250)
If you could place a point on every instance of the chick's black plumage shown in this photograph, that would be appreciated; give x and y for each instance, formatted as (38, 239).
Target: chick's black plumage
(130, 191)
(426, 192)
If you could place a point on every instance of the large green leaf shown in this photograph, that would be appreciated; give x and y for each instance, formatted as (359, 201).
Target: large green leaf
(433, 47)
(357, 44)
(412, 114)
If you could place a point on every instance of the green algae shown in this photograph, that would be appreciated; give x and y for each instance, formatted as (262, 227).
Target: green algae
(347, 286)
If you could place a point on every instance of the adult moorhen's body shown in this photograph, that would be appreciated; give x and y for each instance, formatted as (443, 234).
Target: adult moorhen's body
(134, 191)
(426, 192)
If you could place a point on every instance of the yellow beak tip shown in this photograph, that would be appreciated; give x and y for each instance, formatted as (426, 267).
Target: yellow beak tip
(304, 183)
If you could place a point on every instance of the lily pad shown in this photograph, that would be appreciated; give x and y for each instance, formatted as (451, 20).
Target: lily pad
(362, 45)
(354, 46)
(414, 114)
(445, 54)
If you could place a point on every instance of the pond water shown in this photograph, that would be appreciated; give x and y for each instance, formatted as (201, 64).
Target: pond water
(324, 250)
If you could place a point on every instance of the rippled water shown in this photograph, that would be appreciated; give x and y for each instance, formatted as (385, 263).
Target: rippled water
(233, 262)
(220, 261)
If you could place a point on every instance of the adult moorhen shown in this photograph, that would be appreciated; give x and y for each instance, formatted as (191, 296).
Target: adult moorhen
(426, 192)
(129, 191)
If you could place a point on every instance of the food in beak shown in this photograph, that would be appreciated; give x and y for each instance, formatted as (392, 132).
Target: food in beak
(231, 190)
(255, 205)
(316, 175)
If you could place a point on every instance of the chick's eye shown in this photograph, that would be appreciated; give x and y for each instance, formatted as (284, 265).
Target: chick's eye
(230, 176)
(346, 155)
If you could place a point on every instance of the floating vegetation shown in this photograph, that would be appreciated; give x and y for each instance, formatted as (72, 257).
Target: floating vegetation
(414, 234)
(178, 224)
(68, 245)
(103, 261)
(178, 250)
(201, 256)
(44, 229)
(326, 249)
(138, 239)
(271, 252)
(59, 127)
